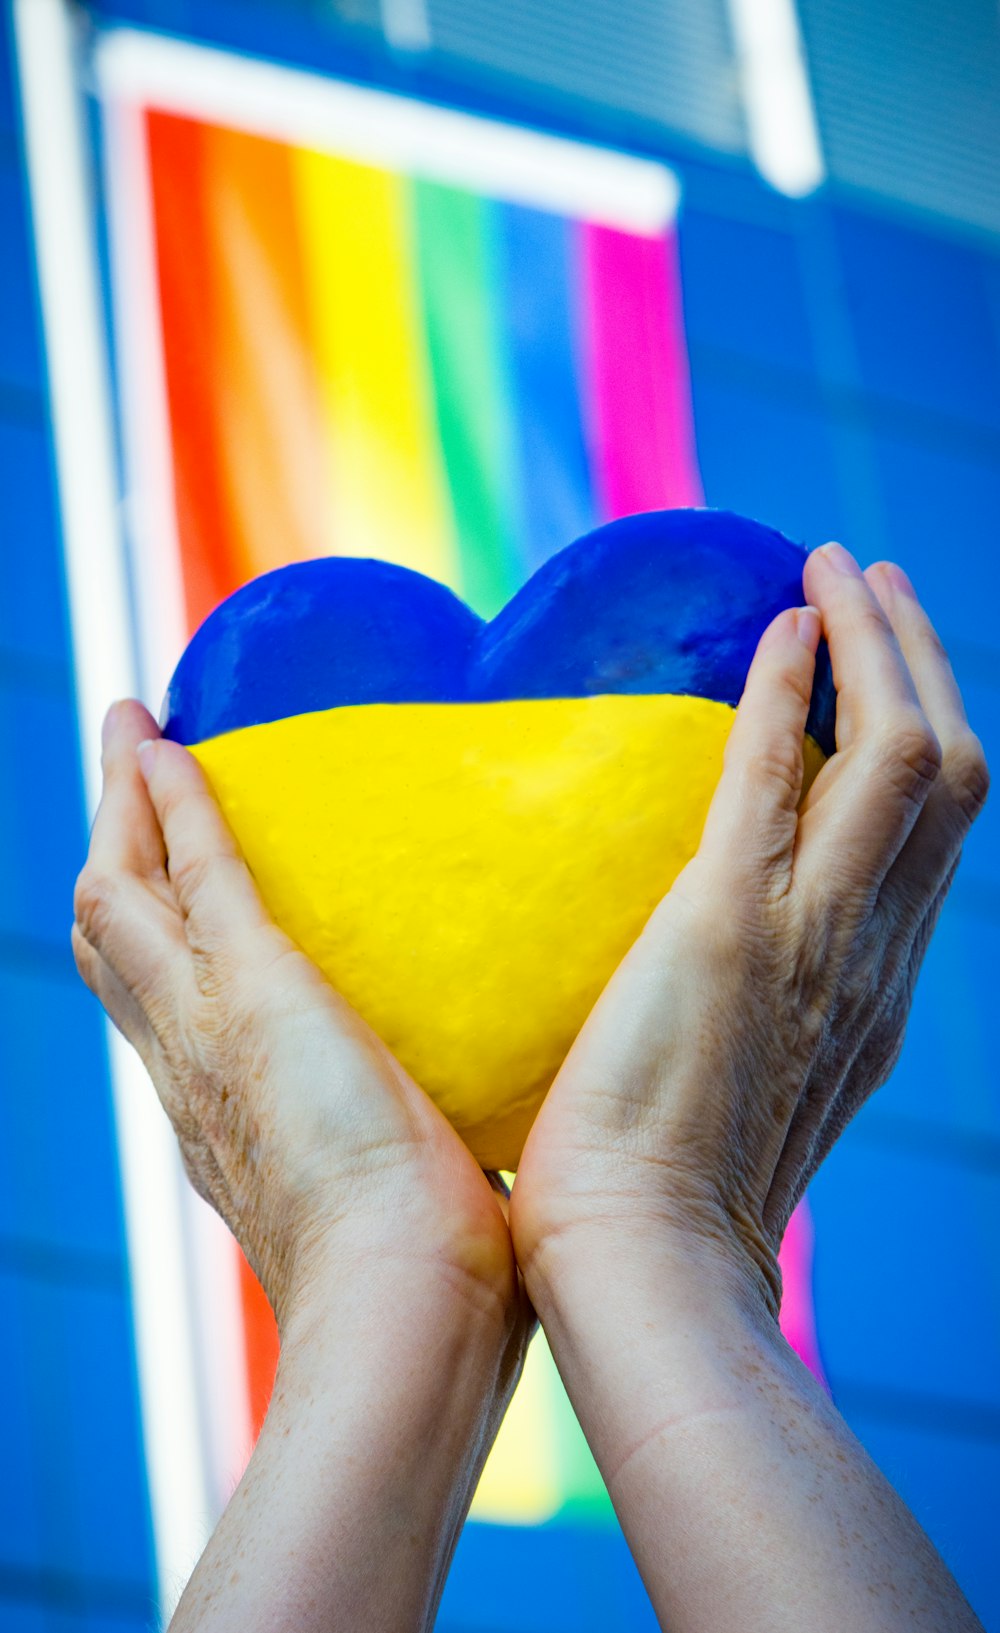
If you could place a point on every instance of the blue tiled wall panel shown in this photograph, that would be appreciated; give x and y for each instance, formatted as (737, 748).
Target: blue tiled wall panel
(743, 291)
(8, 110)
(945, 1078)
(545, 1579)
(47, 1605)
(68, 1354)
(907, 1293)
(26, 1471)
(33, 619)
(951, 1484)
(978, 674)
(940, 503)
(20, 349)
(58, 1157)
(920, 307)
(768, 455)
(42, 835)
(27, 1616)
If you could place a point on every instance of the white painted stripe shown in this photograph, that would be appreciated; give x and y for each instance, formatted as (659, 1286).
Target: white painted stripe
(150, 521)
(105, 668)
(503, 161)
(150, 516)
(777, 98)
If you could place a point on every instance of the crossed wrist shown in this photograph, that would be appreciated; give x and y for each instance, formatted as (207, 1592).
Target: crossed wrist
(710, 1275)
(397, 1279)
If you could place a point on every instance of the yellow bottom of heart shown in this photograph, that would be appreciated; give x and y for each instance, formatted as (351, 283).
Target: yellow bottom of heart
(468, 875)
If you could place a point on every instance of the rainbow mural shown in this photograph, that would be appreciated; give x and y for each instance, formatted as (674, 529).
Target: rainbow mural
(352, 324)
(365, 363)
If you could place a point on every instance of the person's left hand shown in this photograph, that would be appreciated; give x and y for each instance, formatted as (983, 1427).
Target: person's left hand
(768, 994)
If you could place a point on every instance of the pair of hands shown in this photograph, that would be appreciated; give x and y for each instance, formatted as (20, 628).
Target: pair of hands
(764, 1001)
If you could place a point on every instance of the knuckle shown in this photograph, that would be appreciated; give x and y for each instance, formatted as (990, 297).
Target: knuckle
(797, 685)
(190, 875)
(909, 753)
(779, 763)
(967, 775)
(84, 956)
(94, 904)
(170, 802)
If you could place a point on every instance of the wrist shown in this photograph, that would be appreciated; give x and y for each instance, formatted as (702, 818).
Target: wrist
(402, 1244)
(390, 1388)
(694, 1256)
(386, 1287)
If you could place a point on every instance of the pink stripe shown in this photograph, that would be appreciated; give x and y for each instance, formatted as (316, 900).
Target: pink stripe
(798, 1316)
(640, 420)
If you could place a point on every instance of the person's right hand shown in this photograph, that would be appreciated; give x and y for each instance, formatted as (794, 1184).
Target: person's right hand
(294, 1120)
(765, 998)
(768, 994)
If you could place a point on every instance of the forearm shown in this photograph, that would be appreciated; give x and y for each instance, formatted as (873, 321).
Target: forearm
(388, 1395)
(748, 1504)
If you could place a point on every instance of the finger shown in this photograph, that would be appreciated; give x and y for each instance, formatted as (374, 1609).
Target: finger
(119, 1003)
(210, 879)
(828, 1104)
(126, 836)
(866, 800)
(122, 902)
(921, 647)
(133, 1022)
(960, 791)
(869, 672)
(753, 813)
(136, 930)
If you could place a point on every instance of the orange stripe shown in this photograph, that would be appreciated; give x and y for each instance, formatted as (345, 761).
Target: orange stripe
(209, 228)
(270, 434)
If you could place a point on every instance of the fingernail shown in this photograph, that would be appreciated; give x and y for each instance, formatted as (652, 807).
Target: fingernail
(900, 581)
(840, 560)
(143, 755)
(108, 723)
(808, 627)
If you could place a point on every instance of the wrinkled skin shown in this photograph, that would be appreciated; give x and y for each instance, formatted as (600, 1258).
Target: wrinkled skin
(768, 995)
(294, 1121)
(763, 1003)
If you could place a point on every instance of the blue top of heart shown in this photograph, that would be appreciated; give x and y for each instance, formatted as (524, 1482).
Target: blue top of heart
(673, 601)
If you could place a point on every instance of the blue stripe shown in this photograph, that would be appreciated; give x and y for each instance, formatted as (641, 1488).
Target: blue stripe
(536, 270)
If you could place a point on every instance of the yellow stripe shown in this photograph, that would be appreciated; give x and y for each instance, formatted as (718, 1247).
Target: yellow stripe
(389, 497)
(523, 1482)
(468, 875)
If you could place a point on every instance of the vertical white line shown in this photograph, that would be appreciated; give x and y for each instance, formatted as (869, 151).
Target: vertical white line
(150, 525)
(777, 97)
(153, 549)
(62, 208)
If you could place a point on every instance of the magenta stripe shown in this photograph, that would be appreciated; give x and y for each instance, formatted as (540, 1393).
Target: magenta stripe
(798, 1316)
(638, 389)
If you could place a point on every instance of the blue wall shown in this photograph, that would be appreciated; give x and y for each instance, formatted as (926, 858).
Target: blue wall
(75, 1551)
(846, 374)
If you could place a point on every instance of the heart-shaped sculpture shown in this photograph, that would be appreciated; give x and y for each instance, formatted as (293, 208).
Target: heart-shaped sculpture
(466, 824)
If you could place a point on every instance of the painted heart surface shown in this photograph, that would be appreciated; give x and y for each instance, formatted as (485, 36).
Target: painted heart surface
(466, 824)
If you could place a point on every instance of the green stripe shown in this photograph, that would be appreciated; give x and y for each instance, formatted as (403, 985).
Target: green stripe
(454, 277)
